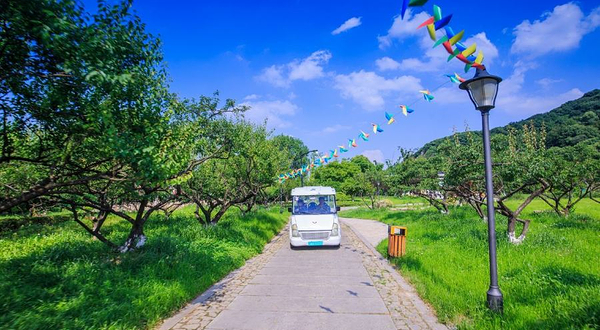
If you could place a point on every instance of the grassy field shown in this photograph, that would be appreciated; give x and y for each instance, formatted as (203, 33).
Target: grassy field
(392, 199)
(551, 281)
(57, 277)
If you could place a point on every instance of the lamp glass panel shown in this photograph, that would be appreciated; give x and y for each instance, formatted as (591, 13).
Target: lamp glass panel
(483, 92)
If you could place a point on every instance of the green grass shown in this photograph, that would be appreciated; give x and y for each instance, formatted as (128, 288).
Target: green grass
(57, 277)
(585, 206)
(393, 199)
(551, 281)
(405, 200)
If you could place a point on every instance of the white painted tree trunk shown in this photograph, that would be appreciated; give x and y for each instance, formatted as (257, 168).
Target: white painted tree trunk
(515, 240)
(133, 242)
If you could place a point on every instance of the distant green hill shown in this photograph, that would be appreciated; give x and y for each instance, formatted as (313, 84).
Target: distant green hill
(567, 125)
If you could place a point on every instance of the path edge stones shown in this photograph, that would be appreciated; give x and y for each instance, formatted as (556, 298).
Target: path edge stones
(425, 310)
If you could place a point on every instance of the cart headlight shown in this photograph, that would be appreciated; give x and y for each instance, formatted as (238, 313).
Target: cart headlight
(335, 231)
(295, 230)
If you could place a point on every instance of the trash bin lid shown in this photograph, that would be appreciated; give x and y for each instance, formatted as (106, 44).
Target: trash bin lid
(397, 230)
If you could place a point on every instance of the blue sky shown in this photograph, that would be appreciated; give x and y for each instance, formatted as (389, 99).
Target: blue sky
(284, 59)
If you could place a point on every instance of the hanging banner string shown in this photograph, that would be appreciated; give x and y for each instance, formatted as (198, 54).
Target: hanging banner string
(376, 128)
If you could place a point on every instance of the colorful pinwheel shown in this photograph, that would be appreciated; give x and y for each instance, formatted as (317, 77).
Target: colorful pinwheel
(364, 136)
(455, 78)
(406, 110)
(376, 128)
(463, 53)
(352, 143)
(334, 153)
(390, 118)
(427, 95)
(342, 149)
(411, 3)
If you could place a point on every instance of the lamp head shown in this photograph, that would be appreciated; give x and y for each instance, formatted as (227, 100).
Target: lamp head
(482, 89)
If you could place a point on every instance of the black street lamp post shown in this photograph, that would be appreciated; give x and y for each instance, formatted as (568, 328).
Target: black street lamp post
(483, 89)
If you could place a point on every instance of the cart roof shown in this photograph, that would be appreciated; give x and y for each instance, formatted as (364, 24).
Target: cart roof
(316, 190)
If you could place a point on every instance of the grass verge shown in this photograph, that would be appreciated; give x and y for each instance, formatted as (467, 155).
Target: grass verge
(551, 281)
(57, 277)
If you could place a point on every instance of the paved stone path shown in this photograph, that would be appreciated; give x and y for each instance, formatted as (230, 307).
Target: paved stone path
(373, 231)
(347, 288)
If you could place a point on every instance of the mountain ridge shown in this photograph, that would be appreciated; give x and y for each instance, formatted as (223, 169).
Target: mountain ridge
(571, 123)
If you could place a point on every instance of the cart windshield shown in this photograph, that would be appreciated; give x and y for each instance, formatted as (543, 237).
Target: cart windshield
(314, 204)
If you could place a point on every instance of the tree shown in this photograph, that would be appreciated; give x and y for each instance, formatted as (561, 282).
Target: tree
(87, 112)
(363, 162)
(418, 175)
(163, 151)
(294, 148)
(63, 75)
(250, 165)
(371, 182)
(519, 161)
(336, 175)
(573, 174)
(296, 156)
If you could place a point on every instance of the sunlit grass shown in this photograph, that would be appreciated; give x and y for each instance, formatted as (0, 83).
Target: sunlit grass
(551, 281)
(392, 199)
(58, 277)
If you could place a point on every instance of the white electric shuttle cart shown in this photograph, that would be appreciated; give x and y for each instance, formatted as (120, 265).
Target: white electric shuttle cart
(314, 217)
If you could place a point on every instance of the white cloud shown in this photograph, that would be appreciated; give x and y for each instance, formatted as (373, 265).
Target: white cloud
(452, 94)
(272, 111)
(274, 76)
(386, 63)
(251, 97)
(335, 128)
(402, 28)
(546, 82)
(374, 155)
(512, 99)
(560, 30)
(310, 67)
(347, 25)
(306, 69)
(368, 89)
(530, 104)
(417, 65)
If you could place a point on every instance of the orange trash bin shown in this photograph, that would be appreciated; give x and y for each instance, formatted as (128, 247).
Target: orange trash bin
(396, 241)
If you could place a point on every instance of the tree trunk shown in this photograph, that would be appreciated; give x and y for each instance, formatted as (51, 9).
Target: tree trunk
(197, 213)
(477, 207)
(136, 238)
(95, 233)
(513, 217)
(512, 224)
(441, 206)
(220, 214)
(98, 221)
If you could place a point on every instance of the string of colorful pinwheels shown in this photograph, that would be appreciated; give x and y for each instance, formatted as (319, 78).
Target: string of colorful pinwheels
(450, 39)
(364, 136)
(465, 54)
